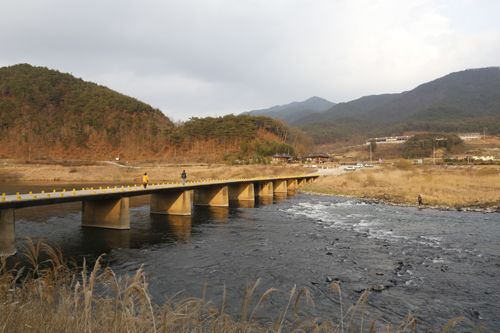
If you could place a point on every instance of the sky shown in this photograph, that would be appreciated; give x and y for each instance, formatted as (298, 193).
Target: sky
(194, 58)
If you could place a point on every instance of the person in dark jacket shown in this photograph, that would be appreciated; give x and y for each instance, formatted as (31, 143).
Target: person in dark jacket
(419, 200)
(183, 176)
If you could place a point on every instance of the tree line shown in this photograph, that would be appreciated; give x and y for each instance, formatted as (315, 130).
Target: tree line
(423, 145)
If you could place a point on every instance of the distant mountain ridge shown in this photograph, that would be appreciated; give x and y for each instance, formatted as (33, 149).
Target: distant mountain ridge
(458, 102)
(349, 109)
(295, 110)
(475, 92)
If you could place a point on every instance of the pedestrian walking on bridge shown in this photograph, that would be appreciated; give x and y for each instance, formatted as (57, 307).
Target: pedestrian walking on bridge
(183, 176)
(145, 180)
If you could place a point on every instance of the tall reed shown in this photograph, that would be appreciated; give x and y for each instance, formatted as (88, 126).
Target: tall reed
(53, 296)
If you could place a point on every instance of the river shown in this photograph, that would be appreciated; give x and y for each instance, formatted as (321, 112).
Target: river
(438, 265)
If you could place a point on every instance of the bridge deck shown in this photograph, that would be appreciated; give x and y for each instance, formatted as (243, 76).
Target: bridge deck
(17, 201)
(109, 207)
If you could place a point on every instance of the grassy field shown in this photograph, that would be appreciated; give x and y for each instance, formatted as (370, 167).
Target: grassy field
(54, 297)
(133, 173)
(403, 182)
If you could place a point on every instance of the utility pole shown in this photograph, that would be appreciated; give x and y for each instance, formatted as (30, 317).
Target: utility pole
(434, 155)
(370, 152)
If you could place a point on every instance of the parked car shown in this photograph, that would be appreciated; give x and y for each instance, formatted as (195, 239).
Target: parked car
(368, 165)
(350, 168)
(314, 166)
(359, 165)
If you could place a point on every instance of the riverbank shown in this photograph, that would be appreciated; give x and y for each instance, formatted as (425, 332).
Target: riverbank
(462, 189)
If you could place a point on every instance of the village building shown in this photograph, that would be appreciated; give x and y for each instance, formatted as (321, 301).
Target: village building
(389, 139)
(318, 157)
(470, 136)
(484, 158)
(285, 158)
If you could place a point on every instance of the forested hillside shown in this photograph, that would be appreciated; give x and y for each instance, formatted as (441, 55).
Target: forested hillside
(467, 101)
(474, 92)
(349, 109)
(422, 145)
(48, 114)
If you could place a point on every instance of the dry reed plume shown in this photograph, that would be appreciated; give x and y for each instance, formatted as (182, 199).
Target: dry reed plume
(437, 186)
(53, 297)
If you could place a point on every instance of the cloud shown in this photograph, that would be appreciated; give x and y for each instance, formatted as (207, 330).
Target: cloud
(200, 58)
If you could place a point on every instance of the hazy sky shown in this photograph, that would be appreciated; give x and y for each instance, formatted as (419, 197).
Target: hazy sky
(213, 57)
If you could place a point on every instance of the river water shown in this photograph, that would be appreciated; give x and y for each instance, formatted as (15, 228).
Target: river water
(438, 265)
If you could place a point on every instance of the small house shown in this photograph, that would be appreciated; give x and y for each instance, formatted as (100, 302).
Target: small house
(284, 158)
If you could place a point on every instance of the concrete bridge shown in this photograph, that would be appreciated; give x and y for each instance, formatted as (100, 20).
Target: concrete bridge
(109, 207)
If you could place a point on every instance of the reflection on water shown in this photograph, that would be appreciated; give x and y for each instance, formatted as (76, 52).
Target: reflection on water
(178, 226)
(264, 200)
(220, 215)
(280, 197)
(242, 204)
(113, 239)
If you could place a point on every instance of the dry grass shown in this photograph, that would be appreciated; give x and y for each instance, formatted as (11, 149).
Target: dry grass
(437, 186)
(52, 297)
(161, 173)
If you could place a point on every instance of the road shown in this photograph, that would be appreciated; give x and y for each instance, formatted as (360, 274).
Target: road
(335, 171)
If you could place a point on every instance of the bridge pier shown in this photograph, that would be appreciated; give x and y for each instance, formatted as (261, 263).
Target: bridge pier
(172, 203)
(241, 192)
(292, 184)
(264, 189)
(7, 232)
(106, 213)
(212, 196)
(280, 186)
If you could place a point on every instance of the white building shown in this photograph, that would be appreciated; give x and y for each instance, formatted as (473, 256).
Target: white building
(470, 136)
(389, 139)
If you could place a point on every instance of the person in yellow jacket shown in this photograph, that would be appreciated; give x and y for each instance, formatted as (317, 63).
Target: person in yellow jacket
(145, 180)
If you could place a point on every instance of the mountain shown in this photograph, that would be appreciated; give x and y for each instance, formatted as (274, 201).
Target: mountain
(463, 101)
(349, 109)
(475, 92)
(45, 112)
(294, 111)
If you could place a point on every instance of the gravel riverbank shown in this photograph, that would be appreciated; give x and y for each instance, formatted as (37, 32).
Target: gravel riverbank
(484, 208)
